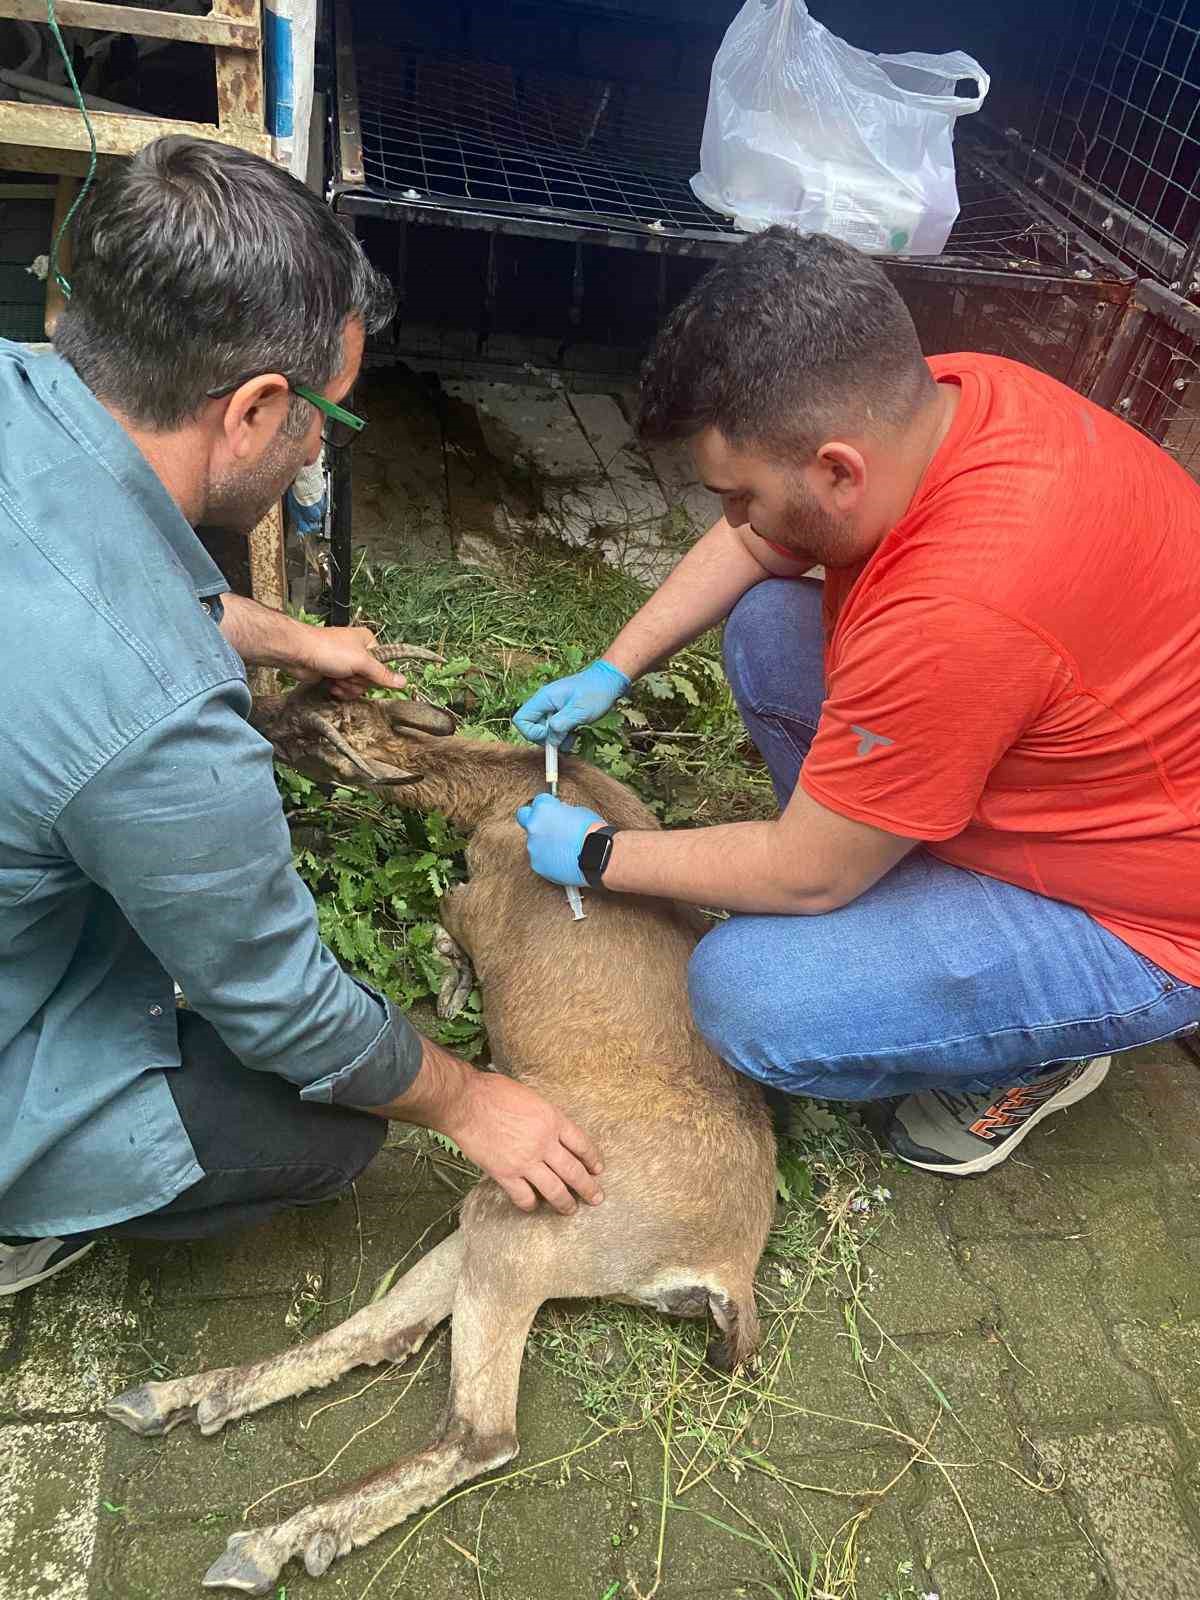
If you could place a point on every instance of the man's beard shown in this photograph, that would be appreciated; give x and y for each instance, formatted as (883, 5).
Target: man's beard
(811, 531)
(240, 500)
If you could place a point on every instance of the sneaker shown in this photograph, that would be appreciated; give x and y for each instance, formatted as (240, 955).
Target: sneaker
(24, 1262)
(962, 1134)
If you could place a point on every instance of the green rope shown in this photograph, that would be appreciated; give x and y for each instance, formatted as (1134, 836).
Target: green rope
(91, 171)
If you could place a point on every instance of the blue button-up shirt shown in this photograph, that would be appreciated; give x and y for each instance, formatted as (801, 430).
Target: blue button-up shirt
(141, 835)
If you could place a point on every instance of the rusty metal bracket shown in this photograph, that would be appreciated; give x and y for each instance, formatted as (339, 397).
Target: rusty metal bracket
(347, 126)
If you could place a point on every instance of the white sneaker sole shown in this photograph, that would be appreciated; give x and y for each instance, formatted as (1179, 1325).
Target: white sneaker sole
(50, 1272)
(1092, 1076)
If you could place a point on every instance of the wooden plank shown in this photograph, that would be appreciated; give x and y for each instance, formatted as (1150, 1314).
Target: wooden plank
(54, 139)
(215, 29)
(638, 533)
(64, 199)
(241, 105)
(401, 509)
(475, 491)
(553, 485)
(268, 585)
(688, 501)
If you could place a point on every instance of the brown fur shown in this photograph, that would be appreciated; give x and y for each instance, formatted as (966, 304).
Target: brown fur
(594, 1015)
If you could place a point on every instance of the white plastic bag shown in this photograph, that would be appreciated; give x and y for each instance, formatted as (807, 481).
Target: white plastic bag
(805, 129)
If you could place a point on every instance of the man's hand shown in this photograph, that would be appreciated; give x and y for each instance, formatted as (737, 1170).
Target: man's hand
(526, 1144)
(343, 656)
(558, 708)
(521, 1140)
(264, 637)
(554, 834)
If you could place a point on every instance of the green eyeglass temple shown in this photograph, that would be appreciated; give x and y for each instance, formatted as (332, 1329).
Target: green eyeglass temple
(330, 407)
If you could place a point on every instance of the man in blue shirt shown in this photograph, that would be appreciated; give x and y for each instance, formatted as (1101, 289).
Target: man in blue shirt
(141, 835)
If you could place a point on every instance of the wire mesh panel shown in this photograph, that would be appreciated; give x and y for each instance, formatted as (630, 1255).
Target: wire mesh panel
(1160, 392)
(1062, 332)
(482, 135)
(1117, 139)
(532, 132)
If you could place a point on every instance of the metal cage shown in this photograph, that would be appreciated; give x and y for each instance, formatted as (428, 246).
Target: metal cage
(572, 128)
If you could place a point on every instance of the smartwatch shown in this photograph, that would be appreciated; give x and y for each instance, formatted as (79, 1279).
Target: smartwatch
(594, 854)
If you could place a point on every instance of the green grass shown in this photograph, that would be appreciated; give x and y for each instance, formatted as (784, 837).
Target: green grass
(377, 873)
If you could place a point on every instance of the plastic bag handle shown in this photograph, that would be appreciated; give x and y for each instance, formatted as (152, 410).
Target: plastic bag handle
(954, 65)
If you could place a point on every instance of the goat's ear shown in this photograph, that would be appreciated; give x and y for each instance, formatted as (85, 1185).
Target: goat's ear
(409, 716)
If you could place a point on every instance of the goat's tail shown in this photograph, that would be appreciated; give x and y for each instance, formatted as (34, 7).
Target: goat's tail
(736, 1315)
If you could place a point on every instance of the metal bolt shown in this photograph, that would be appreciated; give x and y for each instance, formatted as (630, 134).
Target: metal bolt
(156, 1011)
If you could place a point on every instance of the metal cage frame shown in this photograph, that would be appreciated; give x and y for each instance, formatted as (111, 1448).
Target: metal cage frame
(1055, 262)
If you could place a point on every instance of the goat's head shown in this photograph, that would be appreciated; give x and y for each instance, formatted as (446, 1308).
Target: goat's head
(400, 749)
(373, 744)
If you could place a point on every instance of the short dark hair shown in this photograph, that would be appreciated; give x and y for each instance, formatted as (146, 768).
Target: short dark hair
(789, 340)
(196, 263)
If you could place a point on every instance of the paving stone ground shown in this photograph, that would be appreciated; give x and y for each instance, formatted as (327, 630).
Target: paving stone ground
(1054, 1305)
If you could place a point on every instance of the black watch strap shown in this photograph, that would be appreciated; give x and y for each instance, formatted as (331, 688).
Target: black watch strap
(594, 854)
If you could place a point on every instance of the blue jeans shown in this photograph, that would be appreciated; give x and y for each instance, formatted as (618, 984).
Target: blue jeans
(937, 977)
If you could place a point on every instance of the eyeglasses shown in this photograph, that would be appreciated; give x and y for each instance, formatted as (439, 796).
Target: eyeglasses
(341, 426)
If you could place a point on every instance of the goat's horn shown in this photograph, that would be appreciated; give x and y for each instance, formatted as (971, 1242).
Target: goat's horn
(419, 714)
(314, 722)
(404, 652)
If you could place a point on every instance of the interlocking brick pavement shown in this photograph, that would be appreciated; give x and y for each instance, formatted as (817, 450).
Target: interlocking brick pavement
(1051, 1306)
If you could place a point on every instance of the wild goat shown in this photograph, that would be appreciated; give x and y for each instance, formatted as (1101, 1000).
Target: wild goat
(594, 1015)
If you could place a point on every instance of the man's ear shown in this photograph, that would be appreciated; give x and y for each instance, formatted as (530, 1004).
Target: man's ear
(254, 414)
(843, 474)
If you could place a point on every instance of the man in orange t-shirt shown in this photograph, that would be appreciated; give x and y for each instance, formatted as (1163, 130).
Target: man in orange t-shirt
(982, 728)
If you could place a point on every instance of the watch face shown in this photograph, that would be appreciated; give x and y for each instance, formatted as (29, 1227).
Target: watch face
(595, 850)
(594, 854)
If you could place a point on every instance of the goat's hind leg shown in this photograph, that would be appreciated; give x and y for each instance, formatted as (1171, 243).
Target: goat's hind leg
(480, 1433)
(456, 986)
(389, 1330)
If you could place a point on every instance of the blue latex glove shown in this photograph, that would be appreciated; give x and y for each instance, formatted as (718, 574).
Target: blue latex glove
(554, 837)
(556, 710)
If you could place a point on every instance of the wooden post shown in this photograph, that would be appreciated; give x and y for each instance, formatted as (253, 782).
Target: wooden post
(240, 98)
(268, 580)
(64, 198)
(268, 584)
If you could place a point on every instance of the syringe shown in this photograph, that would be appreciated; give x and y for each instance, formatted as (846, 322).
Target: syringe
(574, 898)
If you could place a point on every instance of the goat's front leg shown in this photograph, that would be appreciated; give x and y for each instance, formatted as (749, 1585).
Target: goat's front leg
(487, 1343)
(389, 1330)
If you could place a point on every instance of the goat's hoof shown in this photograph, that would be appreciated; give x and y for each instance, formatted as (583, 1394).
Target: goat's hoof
(320, 1553)
(248, 1565)
(456, 986)
(144, 1412)
(213, 1412)
(454, 993)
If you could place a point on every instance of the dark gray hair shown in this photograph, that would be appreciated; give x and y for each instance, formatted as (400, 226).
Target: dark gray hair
(197, 263)
(789, 340)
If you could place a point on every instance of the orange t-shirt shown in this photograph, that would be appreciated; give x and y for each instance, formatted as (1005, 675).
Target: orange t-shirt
(1014, 674)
